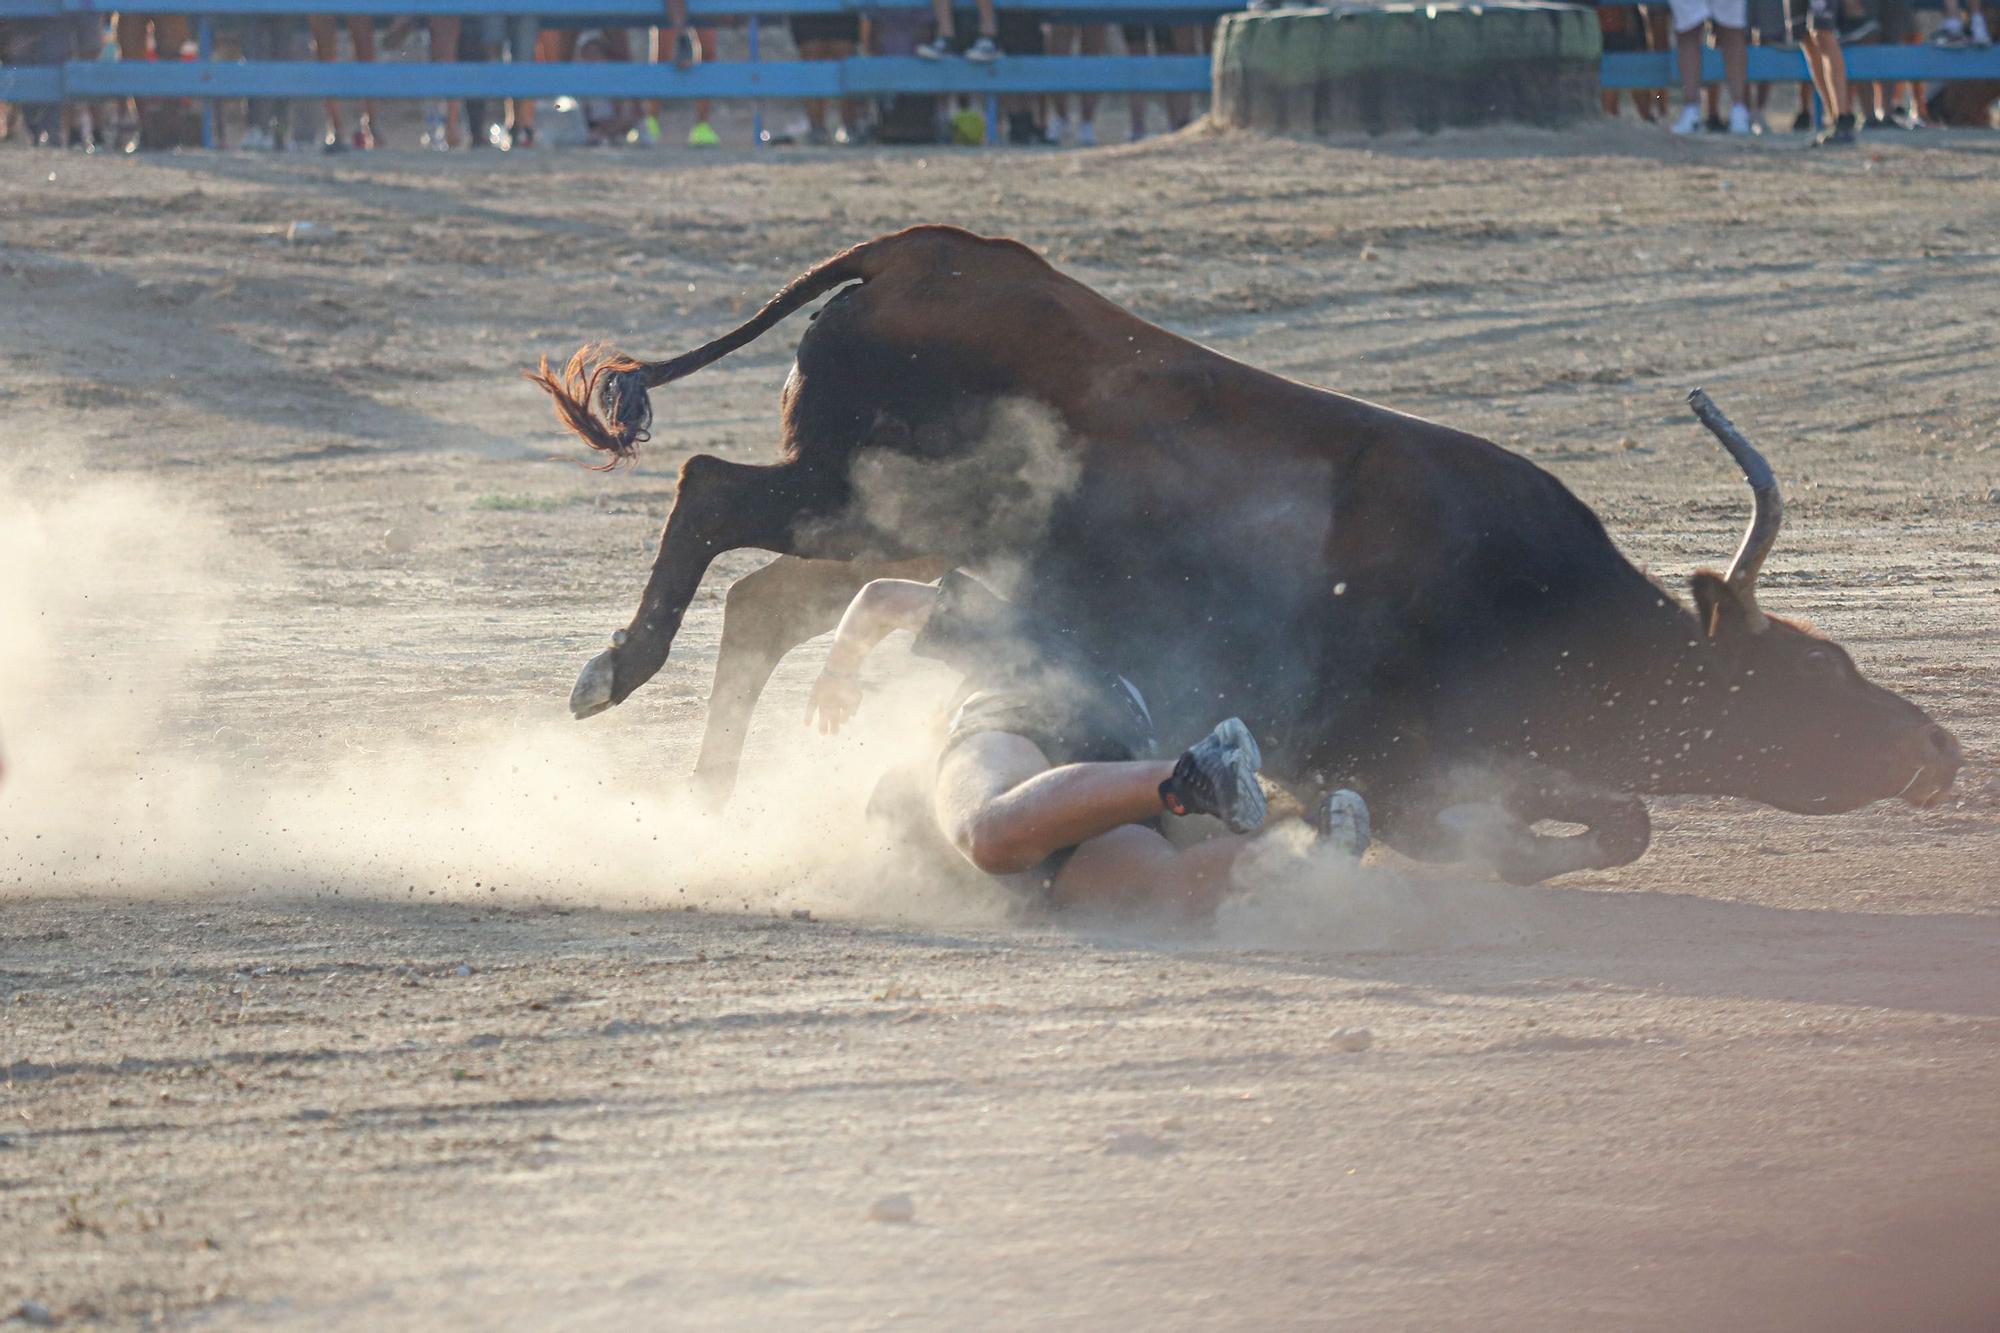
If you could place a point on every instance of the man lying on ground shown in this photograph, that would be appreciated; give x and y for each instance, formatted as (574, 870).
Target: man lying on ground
(1047, 774)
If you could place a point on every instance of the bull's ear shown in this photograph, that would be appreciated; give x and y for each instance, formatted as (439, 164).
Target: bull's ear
(1721, 610)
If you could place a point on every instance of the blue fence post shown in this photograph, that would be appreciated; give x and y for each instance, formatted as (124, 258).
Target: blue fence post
(204, 45)
(992, 119)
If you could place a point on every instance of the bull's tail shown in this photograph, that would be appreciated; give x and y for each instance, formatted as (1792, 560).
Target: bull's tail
(617, 384)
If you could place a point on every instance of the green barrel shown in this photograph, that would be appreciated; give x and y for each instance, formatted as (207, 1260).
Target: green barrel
(1406, 66)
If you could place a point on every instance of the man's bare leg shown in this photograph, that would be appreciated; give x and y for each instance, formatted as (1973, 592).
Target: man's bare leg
(1133, 865)
(1006, 810)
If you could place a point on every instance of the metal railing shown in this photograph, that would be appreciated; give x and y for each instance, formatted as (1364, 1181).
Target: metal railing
(206, 79)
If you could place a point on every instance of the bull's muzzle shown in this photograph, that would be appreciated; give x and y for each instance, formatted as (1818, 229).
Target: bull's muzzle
(1935, 758)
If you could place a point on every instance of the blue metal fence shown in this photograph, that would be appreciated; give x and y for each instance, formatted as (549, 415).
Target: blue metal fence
(860, 76)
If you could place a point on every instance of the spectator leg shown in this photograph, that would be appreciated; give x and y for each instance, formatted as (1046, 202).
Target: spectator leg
(1687, 53)
(947, 29)
(361, 33)
(821, 48)
(326, 50)
(444, 51)
(703, 109)
(1180, 106)
(1829, 71)
(1735, 44)
(523, 36)
(479, 39)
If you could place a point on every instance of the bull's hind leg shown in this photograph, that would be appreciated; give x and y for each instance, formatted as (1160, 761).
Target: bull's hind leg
(792, 508)
(766, 615)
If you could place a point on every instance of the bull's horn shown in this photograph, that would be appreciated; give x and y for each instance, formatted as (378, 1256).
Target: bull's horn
(1765, 519)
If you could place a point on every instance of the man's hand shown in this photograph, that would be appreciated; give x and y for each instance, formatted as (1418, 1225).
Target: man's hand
(835, 698)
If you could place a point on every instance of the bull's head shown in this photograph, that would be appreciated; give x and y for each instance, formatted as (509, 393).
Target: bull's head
(1807, 732)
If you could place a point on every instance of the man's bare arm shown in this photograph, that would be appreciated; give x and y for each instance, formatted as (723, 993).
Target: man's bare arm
(877, 611)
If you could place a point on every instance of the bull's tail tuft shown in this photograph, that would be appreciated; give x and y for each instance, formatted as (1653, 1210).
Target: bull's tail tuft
(616, 384)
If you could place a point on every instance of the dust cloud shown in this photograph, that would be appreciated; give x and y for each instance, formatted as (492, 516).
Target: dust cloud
(116, 612)
(1296, 896)
(116, 620)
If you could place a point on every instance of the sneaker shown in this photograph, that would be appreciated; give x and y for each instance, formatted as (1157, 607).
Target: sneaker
(1218, 776)
(935, 49)
(1715, 125)
(1086, 134)
(648, 132)
(1952, 34)
(1802, 122)
(1340, 821)
(983, 51)
(255, 140)
(818, 137)
(1689, 122)
(1058, 129)
(1980, 37)
(1739, 119)
(703, 135)
(1840, 136)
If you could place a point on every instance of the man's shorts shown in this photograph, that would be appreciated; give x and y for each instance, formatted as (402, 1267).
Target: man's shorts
(1769, 24)
(1690, 14)
(1623, 28)
(1069, 721)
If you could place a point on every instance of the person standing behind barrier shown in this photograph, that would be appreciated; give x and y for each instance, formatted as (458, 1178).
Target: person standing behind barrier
(326, 48)
(268, 120)
(828, 37)
(169, 33)
(984, 50)
(515, 37)
(1829, 69)
(1624, 30)
(1956, 32)
(1729, 17)
(1168, 40)
(686, 47)
(1086, 39)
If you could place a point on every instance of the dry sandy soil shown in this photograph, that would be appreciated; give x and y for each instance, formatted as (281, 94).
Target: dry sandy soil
(348, 984)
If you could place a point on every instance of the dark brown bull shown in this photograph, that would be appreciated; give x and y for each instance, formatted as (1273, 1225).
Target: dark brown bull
(1389, 603)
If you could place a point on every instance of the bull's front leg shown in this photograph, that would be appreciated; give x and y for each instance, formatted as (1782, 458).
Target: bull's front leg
(1490, 819)
(792, 508)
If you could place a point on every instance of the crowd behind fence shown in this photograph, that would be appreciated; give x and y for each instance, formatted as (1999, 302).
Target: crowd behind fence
(516, 73)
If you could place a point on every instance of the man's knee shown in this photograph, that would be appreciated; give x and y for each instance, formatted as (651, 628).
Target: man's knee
(992, 843)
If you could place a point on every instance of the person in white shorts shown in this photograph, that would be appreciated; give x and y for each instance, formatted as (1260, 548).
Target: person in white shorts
(1730, 18)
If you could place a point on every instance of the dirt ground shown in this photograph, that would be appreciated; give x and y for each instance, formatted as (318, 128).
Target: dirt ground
(348, 984)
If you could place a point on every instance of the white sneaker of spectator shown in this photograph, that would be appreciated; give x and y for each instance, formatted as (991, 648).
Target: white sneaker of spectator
(935, 49)
(255, 139)
(1739, 119)
(1086, 134)
(1690, 121)
(1980, 37)
(1058, 129)
(983, 51)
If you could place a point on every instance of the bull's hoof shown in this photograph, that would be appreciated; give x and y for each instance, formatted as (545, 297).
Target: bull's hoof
(593, 691)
